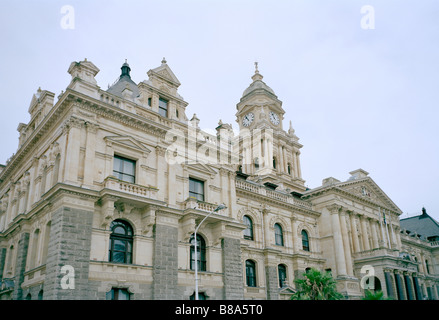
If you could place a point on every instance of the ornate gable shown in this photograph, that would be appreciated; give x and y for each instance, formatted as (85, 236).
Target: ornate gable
(127, 142)
(367, 189)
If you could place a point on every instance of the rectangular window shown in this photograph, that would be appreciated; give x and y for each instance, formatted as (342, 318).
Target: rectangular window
(163, 107)
(118, 294)
(124, 169)
(196, 189)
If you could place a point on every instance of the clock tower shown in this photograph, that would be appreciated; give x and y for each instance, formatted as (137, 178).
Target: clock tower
(269, 154)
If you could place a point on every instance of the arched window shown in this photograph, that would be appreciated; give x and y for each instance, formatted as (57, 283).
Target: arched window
(46, 242)
(201, 253)
(121, 242)
(250, 273)
(34, 250)
(40, 295)
(282, 274)
(274, 162)
(201, 296)
(248, 233)
(305, 240)
(278, 234)
(289, 168)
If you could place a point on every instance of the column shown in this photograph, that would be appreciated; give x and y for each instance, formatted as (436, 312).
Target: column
(232, 269)
(338, 242)
(346, 243)
(90, 150)
(389, 284)
(294, 166)
(20, 266)
(364, 235)
(165, 268)
(285, 160)
(299, 171)
(373, 228)
(267, 161)
(297, 245)
(417, 288)
(409, 287)
(354, 232)
(267, 233)
(272, 283)
(281, 159)
(399, 286)
(73, 128)
(69, 245)
(160, 175)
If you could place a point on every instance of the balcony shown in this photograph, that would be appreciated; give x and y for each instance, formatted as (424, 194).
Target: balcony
(192, 203)
(134, 189)
(272, 194)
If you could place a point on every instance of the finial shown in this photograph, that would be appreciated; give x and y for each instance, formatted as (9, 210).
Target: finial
(164, 60)
(257, 75)
(126, 61)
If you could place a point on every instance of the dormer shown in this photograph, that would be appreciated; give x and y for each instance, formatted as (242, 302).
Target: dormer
(40, 105)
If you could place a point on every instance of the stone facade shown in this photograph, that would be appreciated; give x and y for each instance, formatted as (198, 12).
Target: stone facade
(107, 187)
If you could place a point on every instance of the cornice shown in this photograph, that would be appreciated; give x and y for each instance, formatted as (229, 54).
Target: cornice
(266, 199)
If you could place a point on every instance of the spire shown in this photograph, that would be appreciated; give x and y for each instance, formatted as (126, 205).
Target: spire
(125, 69)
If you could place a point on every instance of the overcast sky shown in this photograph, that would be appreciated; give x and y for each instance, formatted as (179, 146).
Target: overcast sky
(357, 96)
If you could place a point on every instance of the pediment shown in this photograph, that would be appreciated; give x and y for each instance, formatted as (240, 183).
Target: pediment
(165, 73)
(127, 142)
(367, 189)
(287, 290)
(201, 168)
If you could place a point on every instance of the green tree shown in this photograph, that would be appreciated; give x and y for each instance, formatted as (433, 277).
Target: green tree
(377, 295)
(316, 285)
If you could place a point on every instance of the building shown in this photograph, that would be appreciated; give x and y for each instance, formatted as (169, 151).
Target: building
(102, 198)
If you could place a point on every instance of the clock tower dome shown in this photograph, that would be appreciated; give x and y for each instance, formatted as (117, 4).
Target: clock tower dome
(269, 154)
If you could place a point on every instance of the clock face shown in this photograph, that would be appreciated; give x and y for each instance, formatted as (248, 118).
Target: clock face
(274, 118)
(248, 119)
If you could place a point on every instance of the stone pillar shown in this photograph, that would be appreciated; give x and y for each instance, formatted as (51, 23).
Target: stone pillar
(373, 225)
(340, 260)
(297, 245)
(281, 159)
(272, 282)
(389, 284)
(409, 287)
(346, 243)
(69, 245)
(73, 131)
(417, 288)
(294, 166)
(399, 286)
(20, 266)
(267, 233)
(364, 235)
(285, 161)
(90, 149)
(354, 232)
(2, 262)
(232, 269)
(165, 269)
(161, 165)
(299, 171)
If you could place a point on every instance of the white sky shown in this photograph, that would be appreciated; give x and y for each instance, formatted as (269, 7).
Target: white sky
(357, 98)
